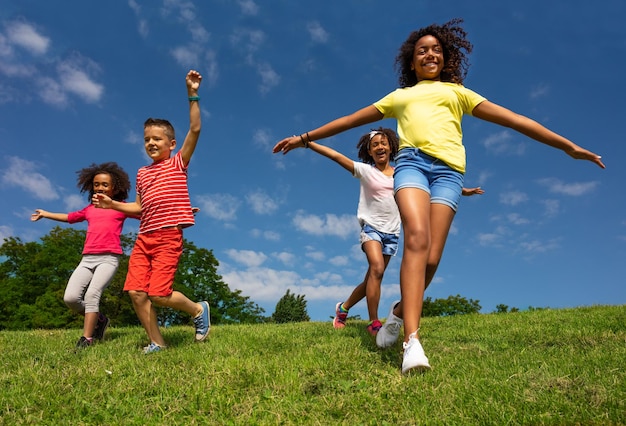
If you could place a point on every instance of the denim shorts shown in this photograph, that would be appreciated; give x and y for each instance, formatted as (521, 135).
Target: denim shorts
(416, 169)
(388, 242)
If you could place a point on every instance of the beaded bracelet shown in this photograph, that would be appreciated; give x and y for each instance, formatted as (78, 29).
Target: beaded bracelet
(194, 98)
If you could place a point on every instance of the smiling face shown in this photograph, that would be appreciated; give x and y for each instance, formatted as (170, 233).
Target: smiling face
(157, 143)
(379, 149)
(428, 59)
(103, 184)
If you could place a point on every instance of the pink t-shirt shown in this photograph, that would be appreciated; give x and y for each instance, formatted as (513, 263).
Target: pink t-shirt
(103, 229)
(162, 188)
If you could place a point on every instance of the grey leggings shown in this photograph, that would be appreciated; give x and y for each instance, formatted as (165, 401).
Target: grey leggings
(92, 275)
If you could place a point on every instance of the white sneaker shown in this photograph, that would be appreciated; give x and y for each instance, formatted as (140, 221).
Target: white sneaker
(388, 334)
(414, 357)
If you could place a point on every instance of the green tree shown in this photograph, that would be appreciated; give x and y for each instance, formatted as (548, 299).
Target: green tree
(453, 305)
(290, 308)
(198, 279)
(33, 277)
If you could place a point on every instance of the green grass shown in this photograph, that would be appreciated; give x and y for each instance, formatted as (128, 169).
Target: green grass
(547, 366)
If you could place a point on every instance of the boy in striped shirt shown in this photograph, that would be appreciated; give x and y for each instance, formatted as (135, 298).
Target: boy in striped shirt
(165, 208)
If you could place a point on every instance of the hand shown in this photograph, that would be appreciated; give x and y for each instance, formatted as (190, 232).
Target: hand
(37, 215)
(193, 80)
(288, 144)
(472, 191)
(582, 154)
(101, 201)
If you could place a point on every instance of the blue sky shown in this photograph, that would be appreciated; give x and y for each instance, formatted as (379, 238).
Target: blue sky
(78, 79)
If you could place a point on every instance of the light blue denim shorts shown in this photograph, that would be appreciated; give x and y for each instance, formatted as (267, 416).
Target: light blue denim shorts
(416, 169)
(388, 242)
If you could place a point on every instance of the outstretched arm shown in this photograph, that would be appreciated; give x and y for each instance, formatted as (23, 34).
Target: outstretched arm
(496, 114)
(102, 201)
(337, 157)
(472, 191)
(193, 80)
(369, 114)
(39, 213)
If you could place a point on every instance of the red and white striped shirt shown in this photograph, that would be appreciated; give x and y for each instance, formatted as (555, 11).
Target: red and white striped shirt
(164, 195)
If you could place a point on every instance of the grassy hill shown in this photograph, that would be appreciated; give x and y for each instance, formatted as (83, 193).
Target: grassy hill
(553, 367)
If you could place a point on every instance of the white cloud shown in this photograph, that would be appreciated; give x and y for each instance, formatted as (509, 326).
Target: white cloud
(185, 56)
(26, 36)
(516, 219)
(248, 7)
(552, 207)
(513, 198)
(22, 174)
(269, 77)
(285, 257)
(575, 189)
(219, 206)
(341, 226)
(261, 203)
(75, 202)
(501, 144)
(5, 232)
(52, 92)
(317, 32)
(74, 78)
(539, 91)
(249, 258)
(339, 261)
(142, 24)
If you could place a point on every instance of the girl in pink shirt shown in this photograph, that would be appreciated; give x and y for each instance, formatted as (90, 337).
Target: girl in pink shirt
(102, 246)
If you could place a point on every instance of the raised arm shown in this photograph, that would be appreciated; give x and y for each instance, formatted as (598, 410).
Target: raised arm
(369, 114)
(337, 157)
(39, 213)
(472, 191)
(497, 114)
(193, 81)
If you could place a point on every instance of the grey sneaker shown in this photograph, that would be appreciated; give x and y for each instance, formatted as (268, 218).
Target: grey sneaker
(203, 322)
(414, 357)
(388, 334)
(152, 348)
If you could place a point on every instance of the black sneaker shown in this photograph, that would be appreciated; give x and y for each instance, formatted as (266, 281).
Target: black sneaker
(83, 343)
(101, 326)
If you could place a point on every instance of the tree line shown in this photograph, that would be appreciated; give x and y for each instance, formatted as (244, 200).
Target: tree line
(33, 277)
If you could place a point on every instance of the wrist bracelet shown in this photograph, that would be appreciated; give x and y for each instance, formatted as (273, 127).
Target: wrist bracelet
(194, 98)
(305, 143)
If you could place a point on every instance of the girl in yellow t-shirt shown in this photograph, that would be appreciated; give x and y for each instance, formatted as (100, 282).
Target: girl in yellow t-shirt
(428, 178)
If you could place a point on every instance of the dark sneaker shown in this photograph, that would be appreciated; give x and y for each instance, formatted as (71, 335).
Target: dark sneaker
(203, 322)
(101, 326)
(340, 316)
(373, 327)
(83, 343)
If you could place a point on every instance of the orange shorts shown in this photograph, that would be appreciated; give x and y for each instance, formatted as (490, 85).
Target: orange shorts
(153, 262)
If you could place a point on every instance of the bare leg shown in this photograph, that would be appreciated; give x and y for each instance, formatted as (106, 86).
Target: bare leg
(441, 217)
(89, 325)
(178, 301)
(414, 206)
(147, 316)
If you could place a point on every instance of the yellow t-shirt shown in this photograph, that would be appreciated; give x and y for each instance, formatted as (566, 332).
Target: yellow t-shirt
(429, 117)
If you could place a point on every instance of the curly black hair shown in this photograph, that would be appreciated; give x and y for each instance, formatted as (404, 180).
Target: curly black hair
(455, 48)
(364, 144)
(119, 178)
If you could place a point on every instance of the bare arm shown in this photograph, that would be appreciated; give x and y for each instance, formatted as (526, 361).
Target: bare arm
(472, 191)
(195, 122)
(102, 201)
(496, 114)
(39, 213)
(337, 157)
(369, 114)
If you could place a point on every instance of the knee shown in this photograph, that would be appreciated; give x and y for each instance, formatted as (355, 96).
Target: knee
(72, 302)
(159, 300)
(417, 241)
